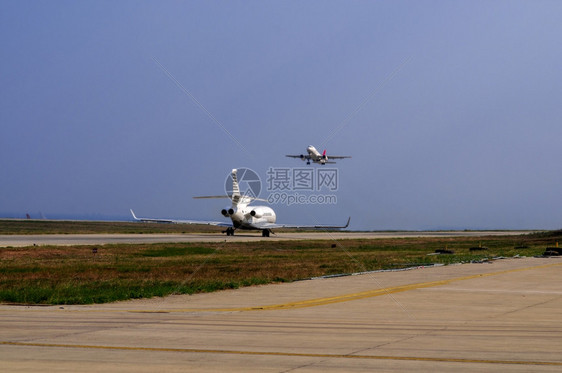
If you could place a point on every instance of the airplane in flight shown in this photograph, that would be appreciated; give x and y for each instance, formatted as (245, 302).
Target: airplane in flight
(242, 215)
(315, 156)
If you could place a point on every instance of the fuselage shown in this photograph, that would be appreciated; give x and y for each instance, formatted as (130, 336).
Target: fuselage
(315, 155)
(246, 217)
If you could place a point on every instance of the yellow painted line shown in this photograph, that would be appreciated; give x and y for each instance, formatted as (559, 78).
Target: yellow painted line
(349, 297)
(287, 354)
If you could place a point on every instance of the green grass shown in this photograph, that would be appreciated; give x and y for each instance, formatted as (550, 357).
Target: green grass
(70, 292)
(74, 275)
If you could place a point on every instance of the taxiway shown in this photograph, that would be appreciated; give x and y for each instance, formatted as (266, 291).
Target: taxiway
(101, 239)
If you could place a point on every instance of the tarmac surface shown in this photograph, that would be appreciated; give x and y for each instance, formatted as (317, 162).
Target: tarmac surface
(497, 316)
(101, 239)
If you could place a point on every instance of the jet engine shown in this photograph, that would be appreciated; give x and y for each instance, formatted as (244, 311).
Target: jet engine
(226, 213)
(255, 214)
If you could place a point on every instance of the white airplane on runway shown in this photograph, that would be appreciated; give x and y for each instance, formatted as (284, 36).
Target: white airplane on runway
(242, 215)
(315, 156)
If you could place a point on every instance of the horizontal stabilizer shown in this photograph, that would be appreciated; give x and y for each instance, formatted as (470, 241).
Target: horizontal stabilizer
(202, 197)
(246, 198)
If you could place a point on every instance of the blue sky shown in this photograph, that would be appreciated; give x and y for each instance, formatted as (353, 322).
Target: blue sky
(451, 109)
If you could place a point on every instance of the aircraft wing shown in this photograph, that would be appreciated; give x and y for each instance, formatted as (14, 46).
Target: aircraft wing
(338, 156)
(298, 156)
(319, 226)
(173, 221)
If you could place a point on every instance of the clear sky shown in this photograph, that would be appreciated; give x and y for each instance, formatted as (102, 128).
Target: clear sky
(452, 110)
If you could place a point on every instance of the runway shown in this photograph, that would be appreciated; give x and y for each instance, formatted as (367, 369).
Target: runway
(500, 316)
(102, 239)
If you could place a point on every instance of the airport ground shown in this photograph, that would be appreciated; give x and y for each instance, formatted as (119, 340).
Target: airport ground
(128, 238)
(78, 273)
(498, 316)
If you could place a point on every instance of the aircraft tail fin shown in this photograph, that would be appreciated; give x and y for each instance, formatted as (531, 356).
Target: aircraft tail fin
(236, 197)
(235, 187)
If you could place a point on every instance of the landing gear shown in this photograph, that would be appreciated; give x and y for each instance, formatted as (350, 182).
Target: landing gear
(307, 162)
(265, 233)
(229, 231)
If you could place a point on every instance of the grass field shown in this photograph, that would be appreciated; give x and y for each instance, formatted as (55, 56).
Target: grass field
(77, 275)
